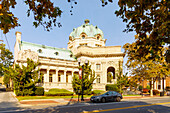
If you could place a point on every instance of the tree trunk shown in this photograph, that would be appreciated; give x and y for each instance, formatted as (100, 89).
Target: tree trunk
(151, 88)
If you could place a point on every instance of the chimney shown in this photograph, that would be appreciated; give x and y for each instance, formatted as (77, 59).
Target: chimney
(18, 36)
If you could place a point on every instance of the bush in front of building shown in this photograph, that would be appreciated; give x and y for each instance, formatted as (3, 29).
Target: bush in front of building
(58, 92)
(112, 87)
(155, 92)
(145, 90)
(39, 91)
(140, 88)
(96, 92)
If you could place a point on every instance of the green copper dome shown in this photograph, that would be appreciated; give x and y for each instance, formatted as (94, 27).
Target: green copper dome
(89, 30)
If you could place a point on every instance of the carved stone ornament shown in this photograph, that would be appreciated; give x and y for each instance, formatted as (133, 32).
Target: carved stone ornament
(23, 55)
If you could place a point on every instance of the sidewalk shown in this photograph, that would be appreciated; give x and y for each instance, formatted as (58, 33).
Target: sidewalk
(56, 102)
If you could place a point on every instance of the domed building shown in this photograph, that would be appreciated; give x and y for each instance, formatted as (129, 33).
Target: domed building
(58, 65)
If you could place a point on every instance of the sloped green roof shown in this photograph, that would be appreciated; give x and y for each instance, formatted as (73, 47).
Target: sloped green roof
(47, 51)
(90, 30)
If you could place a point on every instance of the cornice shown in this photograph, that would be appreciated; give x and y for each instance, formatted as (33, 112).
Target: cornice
(100, 55)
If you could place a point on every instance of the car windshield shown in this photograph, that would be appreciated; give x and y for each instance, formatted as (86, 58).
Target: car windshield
(108, 93)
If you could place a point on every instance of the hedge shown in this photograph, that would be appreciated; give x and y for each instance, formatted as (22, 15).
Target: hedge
(155, 92)
(145, 90)
(58, 92)
(39, 91)
(112, 87)
(95, 92)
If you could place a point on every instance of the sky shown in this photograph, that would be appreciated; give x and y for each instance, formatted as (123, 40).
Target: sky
(103, 17)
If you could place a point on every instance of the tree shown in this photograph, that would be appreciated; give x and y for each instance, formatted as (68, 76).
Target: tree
(88, 79)
(133, 82)
(44, 12)
(147, 17)
(122, 80)
(6, 58)
(147, 67)
(24, 78)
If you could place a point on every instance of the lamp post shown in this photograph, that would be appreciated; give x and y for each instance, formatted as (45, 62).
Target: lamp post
(82, 76)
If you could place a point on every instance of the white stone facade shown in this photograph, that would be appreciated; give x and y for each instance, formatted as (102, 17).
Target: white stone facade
(88, 43)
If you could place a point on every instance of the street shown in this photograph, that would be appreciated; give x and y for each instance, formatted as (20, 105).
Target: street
(147, 105)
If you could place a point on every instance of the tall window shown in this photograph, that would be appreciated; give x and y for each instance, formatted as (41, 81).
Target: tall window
(98, 79)
(50, 78)
(98, 66)
(42, 80)
(59, 78)
(66, 78)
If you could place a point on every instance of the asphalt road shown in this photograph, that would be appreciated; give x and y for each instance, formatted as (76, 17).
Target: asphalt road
(147, 105)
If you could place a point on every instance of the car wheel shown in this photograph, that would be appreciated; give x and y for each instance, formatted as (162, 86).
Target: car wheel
(118, 99)
(103, 100)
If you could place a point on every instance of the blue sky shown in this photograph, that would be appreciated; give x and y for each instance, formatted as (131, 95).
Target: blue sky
(103, 17)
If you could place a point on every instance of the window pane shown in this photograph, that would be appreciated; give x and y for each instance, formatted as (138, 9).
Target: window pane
(66, 78)
(97, 66)
(50, 78)
(59, 78)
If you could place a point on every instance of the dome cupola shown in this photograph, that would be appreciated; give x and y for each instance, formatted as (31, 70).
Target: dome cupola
(88, 30)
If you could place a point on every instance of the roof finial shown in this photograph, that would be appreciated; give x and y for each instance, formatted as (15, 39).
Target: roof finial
(87, 21)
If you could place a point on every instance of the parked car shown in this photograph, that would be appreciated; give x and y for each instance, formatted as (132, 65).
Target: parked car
(108, 96)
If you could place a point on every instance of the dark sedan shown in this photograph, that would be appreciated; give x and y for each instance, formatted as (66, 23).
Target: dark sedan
(108, 96)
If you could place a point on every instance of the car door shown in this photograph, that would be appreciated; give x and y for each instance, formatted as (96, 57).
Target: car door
(109, 96)
(114, 95)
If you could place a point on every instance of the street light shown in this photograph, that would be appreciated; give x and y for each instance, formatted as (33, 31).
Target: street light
(82, 76)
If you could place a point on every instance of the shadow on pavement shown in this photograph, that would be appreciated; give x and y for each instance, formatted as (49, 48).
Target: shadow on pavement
(116, 107)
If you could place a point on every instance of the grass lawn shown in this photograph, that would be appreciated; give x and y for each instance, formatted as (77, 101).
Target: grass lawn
(48, 97)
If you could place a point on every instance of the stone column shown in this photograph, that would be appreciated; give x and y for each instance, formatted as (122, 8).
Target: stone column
(46, 76)
(155, 85)
(104, 73)
(64, 77)
(56, 76)
(161, 85)
(164, 83)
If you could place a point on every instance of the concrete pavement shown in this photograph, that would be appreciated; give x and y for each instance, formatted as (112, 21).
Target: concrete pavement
(8, 102)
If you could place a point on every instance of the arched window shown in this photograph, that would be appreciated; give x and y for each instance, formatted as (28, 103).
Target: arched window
(98, 37)
(110, 74)
(83, 36)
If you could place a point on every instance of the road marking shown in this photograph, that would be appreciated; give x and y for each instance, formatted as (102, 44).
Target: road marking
(95, 111)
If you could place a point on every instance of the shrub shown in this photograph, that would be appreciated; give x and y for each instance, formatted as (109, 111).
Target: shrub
(95, 92)
(148, 87)
(86, 92)
(112, 87)
(155, 92)
(140, 88)
(9, 89)
(58, 92)
(39, 91)
(145, 90)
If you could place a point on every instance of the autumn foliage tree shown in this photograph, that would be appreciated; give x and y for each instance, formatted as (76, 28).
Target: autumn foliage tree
(44, 12)
(147, 67)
